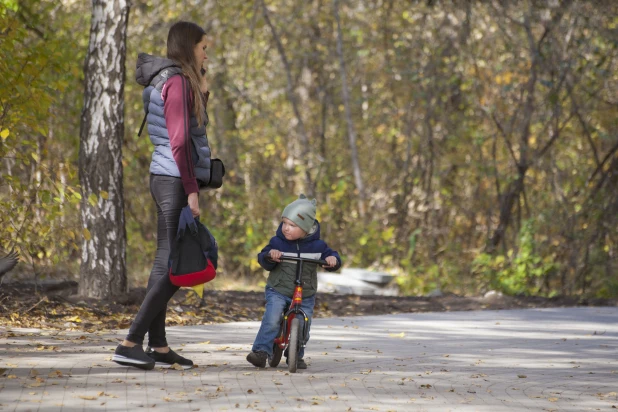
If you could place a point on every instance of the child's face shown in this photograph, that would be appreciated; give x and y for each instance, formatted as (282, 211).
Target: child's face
(291, 231)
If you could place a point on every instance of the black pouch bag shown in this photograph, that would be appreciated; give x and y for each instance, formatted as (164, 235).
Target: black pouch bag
(217, 171)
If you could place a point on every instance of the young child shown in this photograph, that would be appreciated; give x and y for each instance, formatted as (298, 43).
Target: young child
(298, 235)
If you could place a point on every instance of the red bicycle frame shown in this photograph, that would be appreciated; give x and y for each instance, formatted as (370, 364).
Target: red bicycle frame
(295, 307)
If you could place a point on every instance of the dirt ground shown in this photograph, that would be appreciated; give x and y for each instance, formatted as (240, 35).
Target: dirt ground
(57, 306)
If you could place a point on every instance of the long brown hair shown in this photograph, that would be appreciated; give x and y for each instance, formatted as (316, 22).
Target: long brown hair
(181, 41)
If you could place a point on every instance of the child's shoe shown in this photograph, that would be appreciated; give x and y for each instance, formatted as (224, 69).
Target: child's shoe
(134, 356)
(300, 364)
(167, 360)
(258, 358)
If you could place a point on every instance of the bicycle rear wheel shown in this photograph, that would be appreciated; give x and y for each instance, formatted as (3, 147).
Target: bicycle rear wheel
(277, 352)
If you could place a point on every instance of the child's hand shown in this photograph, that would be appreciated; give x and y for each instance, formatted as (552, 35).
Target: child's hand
(332, 261)
(275, 255)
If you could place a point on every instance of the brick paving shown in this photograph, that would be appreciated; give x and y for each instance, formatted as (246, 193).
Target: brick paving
(562, 359)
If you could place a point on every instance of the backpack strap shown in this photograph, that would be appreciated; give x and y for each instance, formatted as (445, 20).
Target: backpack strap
(143, 123)
(186, 221)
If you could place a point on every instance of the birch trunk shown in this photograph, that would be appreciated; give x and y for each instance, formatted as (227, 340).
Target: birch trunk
(103, 268)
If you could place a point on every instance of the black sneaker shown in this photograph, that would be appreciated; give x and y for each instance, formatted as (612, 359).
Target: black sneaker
(300, 364)
(167, 360)
(134, 356)
(258, 358)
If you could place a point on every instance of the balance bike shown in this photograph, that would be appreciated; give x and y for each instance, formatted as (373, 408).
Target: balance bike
(291, 335)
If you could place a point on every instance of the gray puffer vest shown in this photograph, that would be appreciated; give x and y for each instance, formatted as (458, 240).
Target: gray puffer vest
(152, 73)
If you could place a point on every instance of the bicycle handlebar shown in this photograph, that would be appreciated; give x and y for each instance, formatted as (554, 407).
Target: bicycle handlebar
(302, 259)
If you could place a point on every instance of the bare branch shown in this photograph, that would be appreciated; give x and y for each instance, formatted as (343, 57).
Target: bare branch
(608, 156)
(505, 137)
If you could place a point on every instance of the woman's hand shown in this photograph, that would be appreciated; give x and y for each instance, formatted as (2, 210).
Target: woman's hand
(194, 204)
(203, 81)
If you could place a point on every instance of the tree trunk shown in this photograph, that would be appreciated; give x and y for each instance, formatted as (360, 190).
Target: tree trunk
(305, 151)
(358, 179)
(507, 201)
(103, 268)
(226, 132)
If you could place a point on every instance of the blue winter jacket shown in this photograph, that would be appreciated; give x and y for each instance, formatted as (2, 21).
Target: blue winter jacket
(282, 275)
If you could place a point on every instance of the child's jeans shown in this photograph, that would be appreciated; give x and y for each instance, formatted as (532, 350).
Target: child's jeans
(276, 303)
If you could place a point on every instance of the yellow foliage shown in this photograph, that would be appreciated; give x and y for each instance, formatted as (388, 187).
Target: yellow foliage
(199, 289)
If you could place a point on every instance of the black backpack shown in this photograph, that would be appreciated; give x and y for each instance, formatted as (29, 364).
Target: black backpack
(194, 254)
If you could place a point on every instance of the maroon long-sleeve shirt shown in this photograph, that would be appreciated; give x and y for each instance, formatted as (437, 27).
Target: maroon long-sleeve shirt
(178, 107)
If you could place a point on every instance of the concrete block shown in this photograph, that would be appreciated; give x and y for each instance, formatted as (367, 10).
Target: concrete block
(366, 275)
(343, 284)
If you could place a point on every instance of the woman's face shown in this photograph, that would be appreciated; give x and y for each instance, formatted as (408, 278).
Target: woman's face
(200, 54)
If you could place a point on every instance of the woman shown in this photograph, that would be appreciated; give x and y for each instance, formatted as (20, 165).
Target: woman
(175, 98)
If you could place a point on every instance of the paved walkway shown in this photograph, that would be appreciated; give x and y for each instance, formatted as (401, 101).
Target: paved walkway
(539, 360)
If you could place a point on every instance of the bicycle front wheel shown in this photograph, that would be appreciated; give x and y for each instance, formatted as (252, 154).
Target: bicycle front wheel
(294, 345)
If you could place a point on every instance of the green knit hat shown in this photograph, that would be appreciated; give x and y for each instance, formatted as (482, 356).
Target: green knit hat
(301, 212)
